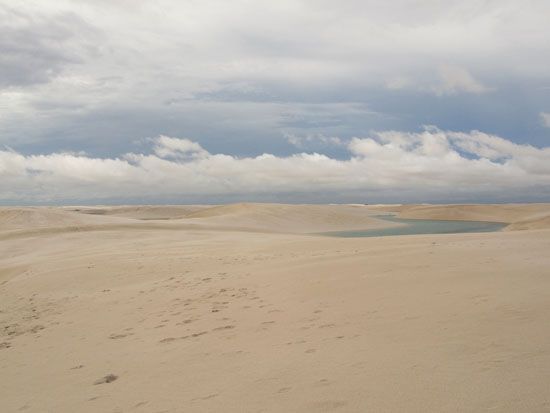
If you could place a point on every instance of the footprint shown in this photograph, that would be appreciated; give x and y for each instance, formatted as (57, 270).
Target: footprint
(228, 327)
(329, 404)
(109, 378)
(121, 335)
(36, 329)
(210, 396)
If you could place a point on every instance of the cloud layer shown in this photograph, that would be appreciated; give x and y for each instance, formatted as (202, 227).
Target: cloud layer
(426, 166)
(241, 76)
(281, 99)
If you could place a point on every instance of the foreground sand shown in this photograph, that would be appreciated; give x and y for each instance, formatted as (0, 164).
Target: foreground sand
(238, 309)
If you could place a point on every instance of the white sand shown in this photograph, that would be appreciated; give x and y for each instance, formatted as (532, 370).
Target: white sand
(237, 309)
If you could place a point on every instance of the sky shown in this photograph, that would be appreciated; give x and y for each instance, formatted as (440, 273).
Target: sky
(133, 101)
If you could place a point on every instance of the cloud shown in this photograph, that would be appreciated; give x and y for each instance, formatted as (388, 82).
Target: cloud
(545, 119)
(450, 80)
(456, 79)
(398, 83)
(167, 147)
(72, 66)
(432, 164)
(308, 140)
(35, 47)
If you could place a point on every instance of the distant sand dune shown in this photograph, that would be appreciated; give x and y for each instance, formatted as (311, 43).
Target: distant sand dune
(520, 216)
(536, 222)
(290, 218)
(280, 218)
(40, 217)
(144, 212)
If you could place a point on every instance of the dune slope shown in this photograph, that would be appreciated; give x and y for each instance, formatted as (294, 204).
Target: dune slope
(289, 218)
(520, 216)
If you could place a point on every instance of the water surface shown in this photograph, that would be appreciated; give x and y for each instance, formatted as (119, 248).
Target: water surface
(422, 226)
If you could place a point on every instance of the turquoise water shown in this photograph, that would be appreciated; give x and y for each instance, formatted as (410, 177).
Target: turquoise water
(422, 226)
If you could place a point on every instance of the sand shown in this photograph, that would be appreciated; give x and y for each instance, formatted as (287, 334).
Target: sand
(519, 216)
(241, 309)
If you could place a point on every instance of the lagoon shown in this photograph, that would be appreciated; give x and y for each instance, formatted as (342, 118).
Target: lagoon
(421, 226)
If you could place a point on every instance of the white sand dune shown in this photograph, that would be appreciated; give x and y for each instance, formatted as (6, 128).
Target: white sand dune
(182, 312)
(520, 216)
(289, 218)
(279, 218)
(534, 222)
(143, 212)
(12, 218)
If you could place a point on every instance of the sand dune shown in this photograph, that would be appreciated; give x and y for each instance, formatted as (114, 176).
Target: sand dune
(187, 314)
(143, 212)
(282, 218)
(12, 218)
(289, 218)
(522, 216)
(535, 222)
(268, 217)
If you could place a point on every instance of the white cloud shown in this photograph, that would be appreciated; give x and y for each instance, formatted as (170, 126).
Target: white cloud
(456, 79)
(166, 147)
(398, 83)
(449, 80)
(545, 119)
(426, 165)
(304, 141)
